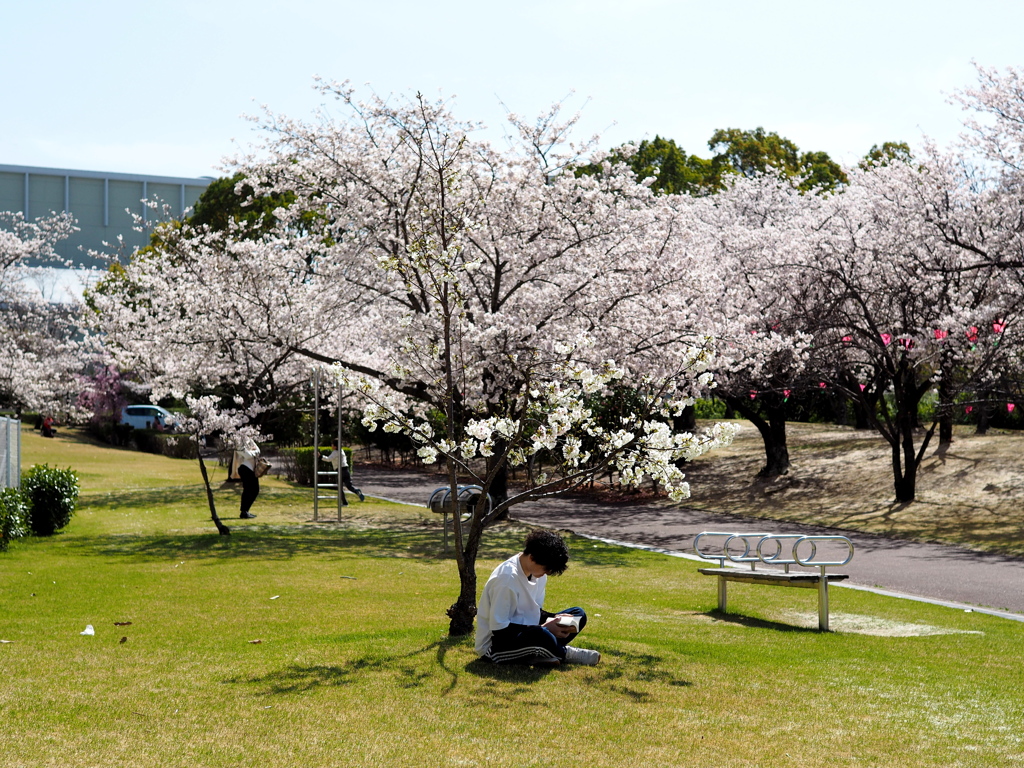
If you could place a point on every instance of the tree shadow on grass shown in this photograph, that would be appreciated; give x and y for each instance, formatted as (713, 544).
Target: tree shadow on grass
(619, 672)
(622, 672)
(166, 496)
(140, 498)
(268, 542)
(301, 679)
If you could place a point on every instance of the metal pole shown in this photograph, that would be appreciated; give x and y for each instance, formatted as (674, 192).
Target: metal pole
(722, 596)
(341, 491)
(316, 446)
(823, 601)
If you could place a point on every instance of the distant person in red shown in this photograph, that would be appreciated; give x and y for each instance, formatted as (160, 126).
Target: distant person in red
(47, 428)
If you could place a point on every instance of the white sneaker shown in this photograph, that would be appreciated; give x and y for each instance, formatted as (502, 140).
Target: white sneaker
(581, 656)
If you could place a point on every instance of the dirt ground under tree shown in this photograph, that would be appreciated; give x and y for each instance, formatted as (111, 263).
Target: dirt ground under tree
(971, 494)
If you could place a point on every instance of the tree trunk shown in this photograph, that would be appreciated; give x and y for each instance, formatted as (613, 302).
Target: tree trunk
(984, 414)
(685, 421)
(498, 489)
(945, 429)
(773, 435)
(463, 611)
(222, 529)
(904, 469)
(908, 393)
(860, 415)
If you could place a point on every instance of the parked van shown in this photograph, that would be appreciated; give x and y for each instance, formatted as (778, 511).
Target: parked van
(146, 417)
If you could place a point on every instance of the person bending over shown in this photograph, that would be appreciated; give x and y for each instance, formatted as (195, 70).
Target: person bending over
(512, 626)
(244, 466)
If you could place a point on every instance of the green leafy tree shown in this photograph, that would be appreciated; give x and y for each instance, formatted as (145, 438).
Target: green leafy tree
(674, 171)
(880, 156)
(753, 152)
(228, 200)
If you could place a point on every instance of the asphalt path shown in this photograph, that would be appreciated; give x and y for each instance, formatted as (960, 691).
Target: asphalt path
(930, 571)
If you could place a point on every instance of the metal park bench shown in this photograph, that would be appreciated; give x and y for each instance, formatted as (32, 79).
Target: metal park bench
(468, 497)
(771, 549)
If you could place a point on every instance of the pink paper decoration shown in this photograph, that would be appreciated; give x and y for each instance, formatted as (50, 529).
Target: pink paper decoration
(863, 387)
(972, 334)
(821, 384)
(786, 392)
(940, 334)
(886, 339)
(998, 326)
(753, 394)
(847, 339)
(1010, 407)
(968, 409)
(907, 343)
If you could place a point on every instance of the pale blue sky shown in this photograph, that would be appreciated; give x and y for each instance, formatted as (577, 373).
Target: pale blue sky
(160, 88)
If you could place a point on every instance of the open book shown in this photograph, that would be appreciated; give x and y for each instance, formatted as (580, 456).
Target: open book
(569, 621)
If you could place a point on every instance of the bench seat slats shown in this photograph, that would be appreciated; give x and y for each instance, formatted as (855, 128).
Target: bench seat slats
(773, 578)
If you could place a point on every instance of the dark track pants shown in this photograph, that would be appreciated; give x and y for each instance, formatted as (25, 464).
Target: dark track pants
(529, 644)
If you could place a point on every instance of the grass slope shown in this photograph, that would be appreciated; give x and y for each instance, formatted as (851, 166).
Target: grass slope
(292, 644)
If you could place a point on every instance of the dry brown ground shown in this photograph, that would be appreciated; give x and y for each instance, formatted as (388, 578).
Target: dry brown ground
(972, 494)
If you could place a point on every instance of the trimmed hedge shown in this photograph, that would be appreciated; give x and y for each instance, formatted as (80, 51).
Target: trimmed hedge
(13, 516)
(174, 445)
(300, 468)
(51, 495)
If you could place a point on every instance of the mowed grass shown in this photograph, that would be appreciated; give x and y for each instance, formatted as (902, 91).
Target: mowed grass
(299, 644)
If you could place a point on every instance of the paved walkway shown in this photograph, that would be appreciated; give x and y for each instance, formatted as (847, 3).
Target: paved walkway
(931, 571)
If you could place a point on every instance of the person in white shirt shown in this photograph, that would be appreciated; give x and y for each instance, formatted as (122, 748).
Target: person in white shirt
(243, 465)
(512, 626)
(340, 462)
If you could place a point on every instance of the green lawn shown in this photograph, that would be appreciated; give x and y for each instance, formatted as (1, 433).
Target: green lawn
(352, 665)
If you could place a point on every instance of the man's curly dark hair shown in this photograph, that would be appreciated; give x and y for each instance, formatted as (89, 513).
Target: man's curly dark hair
(548, 549)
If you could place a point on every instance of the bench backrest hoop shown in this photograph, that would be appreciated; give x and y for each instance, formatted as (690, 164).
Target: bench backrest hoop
(811, 561)
(777, 539)
(747, 539)
(724, 545)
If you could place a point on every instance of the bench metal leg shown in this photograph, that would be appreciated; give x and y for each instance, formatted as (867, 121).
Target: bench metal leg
(722, 596)
(823, 604)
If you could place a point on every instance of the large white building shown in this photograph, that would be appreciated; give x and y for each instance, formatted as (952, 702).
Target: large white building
(101, 203)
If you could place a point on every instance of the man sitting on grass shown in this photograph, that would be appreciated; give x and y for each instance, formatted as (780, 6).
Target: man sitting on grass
(512, 626)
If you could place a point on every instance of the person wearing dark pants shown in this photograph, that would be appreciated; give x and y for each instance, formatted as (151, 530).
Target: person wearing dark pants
(340, 462)
(245, 469)
(512, 625)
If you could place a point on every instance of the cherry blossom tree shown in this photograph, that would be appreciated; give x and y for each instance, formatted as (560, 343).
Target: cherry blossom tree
(765, 350)
(41, 350)
(894, 308)
(440, 277)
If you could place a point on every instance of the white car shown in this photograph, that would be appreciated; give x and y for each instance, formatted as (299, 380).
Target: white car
(146, 417)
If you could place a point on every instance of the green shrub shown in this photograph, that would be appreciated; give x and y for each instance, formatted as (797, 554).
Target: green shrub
(51, 494)
(300, 468)
(13, 516)
(175, 446)
(711, 408)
